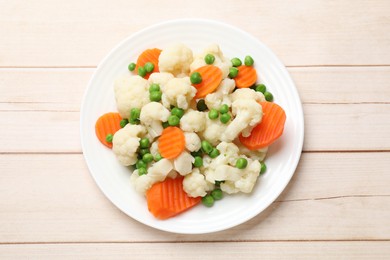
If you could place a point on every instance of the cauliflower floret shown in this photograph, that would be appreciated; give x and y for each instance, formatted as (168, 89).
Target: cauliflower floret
(160, 78)
(154, 148)
(176, 59)
(193, 121)
(213, 130)
(152, 115)
(130, 92)
(183, 163)
(158, 172)
(222, 168)
(247, 93)
(221, 95)
(178, 92)
(253, 154)
(193, 142)
(247, 113)
(195, 185)
(125, 143)
(220, 61)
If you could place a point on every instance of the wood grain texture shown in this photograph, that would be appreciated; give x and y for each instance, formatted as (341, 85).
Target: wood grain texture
(331, 197)
(48, 33)
(222, 250)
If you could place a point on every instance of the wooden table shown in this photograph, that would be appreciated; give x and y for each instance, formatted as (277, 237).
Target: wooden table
(338, 202)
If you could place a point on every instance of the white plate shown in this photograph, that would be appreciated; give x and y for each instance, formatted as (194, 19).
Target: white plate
(283, 155)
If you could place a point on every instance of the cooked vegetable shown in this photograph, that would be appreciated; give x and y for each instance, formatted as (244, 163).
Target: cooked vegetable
(211, 78)
(268, 130)
(201, 105)
(154, 87)
(171, 142)
(147, 158)
(142, 71)
(157, 157)
(144, 143)
(198, 161)
(134, 116)
(123, 122)
(149, 67)
(140, 164)
(241, 163)
(248, 61)
(217, 194)
(214, 153)
(132, 66)
(108, 123)
(209, 59)
(213, 113)
(260, 88)
(224, 109)
(109, 138)
(177, 112)
(155, 96)
(142, 171)
(246, 77)
(236, 62)
(268, 96)
(151, 56)
(263, 167)
(233, 72)
(224, 118)
(208, 200)
(173, 120)
(196, 78)
(167, 199)
(206, 147)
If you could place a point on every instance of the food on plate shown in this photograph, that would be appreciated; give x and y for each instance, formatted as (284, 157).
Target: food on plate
(193, 127)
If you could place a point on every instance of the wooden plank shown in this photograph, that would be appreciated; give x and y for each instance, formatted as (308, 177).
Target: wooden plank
(62, 89)
(327, 127)
(331, 197)
(317, 32)
(242, 250)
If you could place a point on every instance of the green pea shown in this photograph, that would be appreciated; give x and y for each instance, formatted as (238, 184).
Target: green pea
(196, 78)
(155, 96)
(165, 124)
(147, 158)
(109, 138)
(198, 161)
(131, 66)
(144, 143)
(209, 59)
(213, 114)
(177, 112)
(154, 87)
(224, 109)
(142, 171)
(149, 67)
(135, 113)
(157, 157)
(143, 151)
(217, 194)
(141, 71)
(173, 120)
(134, 121)
(123, 122)
(248, 61)
(260, 88)
(241, 163)
(201, 105)
(206, 147)
(263, 168)
(233, 72)
(224, 118)
(268, 96)
(140, 164)
(214, 153)
(208, 200)
(197, 153)
(236, 62)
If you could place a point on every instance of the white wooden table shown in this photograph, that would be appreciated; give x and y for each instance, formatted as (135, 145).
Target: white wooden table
(338, 202)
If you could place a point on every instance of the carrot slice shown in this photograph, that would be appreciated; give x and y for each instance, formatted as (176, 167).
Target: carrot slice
(149, 55)
(167, 199)
(171, 142)
(268, 130)
(246, 76)
(108, 123)
(211, 78)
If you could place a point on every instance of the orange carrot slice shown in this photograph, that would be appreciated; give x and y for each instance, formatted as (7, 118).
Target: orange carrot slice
(211, 78)
(246, 76)
(108, 123)
(167, 199)
(149, 55)
(268, 130)
(171, 142)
